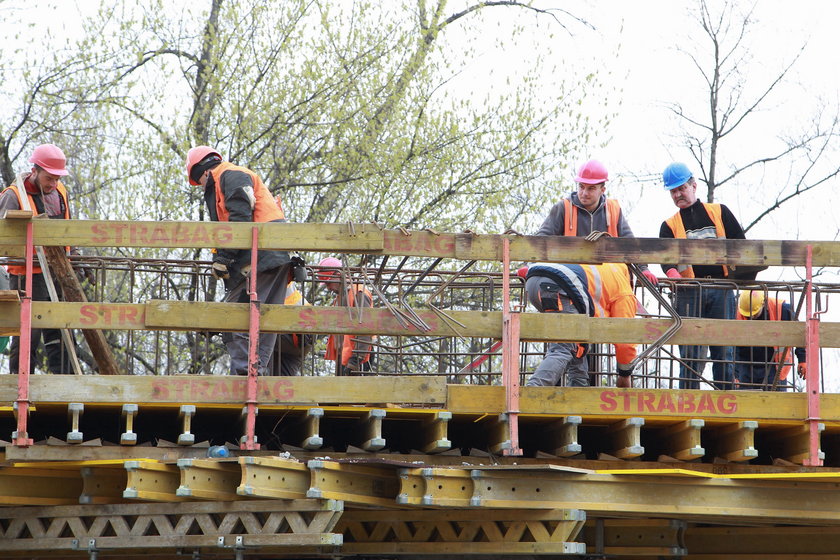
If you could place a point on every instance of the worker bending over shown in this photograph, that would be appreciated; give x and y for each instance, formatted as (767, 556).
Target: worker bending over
(595, 290)
(756, 366)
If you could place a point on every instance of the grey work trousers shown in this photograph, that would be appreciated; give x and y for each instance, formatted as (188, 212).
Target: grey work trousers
(561, 358)
(271, 288)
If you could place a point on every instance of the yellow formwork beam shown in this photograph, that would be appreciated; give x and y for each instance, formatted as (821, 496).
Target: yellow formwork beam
(353, 483)
(40, 486)
(273, 477)
(635, 537)
(103, 485)
(152, 481)
(209, 479)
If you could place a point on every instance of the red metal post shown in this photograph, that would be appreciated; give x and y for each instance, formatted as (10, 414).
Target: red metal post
(21, 438)
(250, 442)
(510, 354)
(812, 376)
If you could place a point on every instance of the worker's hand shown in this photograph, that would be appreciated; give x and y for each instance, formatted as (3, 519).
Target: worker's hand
(220, 271)
(522, 272)
(651, 277)
(624, 379)
(673, 273)
(802, 369)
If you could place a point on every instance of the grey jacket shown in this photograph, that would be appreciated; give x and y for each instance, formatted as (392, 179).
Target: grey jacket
(587, 221)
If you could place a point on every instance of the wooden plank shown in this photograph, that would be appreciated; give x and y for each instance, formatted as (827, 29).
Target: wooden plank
(10, 295)
(275, 235)
(207, 389)
(182, 315)
(605, 403)
(368, 238)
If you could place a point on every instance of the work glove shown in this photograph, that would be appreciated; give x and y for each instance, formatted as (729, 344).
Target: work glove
(624, 380)
(522, 272)
(802, 369)
(673, 273)
(651, 277)
(219, 271)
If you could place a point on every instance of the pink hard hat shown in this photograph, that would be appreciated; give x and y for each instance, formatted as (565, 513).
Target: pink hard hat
(50, 158)
(592, 172)
(329, 262)
(196, 155)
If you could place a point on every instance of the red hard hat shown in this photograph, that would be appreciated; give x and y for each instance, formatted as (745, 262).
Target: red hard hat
(50, 158)
(592, 172)
(329, 262)
(195, 155)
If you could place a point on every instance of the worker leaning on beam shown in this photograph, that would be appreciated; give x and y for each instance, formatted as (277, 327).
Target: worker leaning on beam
(699, 220)
(595, 290)
(351, 352)
(589, 210)
(237, 194)
(45, 195)
(756, 366)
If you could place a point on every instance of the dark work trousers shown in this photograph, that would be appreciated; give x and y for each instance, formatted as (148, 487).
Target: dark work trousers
(58, 360)
(708, 303)
(271, 288)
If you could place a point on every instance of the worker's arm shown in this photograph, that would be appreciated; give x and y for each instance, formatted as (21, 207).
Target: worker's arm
(238, 190)
(553, 224)
(8, 201)
(730, 224)
(787, 315)
(624, 306)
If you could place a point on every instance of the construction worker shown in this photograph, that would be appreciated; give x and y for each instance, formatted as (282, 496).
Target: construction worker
(351, 352)
(595, 290)
(589, 210)
(45, 194)
(237, 194)
(756, 366)
(292, 347)
(699, 220)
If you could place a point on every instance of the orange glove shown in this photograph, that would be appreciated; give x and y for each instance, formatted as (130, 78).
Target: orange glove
(522, 272)
(673, 273)
(650, 276)
(802, 369)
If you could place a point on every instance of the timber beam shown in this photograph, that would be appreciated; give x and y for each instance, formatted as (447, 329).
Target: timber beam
(353, 483)
(219, 316)
(488, 532)
(369, 238)
(635, 537)
(209, 479)
(152, 481)
(273, 477)
(211, 527)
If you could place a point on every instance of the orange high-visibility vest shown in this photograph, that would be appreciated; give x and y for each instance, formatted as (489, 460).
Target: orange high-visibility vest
(774, 313)
(675, 222)
(347, 342)
(266, 208)
(18, 269)
(612, 209)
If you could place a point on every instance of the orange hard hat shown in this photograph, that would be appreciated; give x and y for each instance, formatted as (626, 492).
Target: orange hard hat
(196, 155)
(50, 158)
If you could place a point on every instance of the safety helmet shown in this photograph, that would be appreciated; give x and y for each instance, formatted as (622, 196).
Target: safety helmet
(50, 158)
(750, 303)
(196, 155)
(328, 275)
(676, 175)
(593, 172)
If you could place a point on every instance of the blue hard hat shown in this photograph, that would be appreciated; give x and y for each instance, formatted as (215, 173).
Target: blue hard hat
(676, 175)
